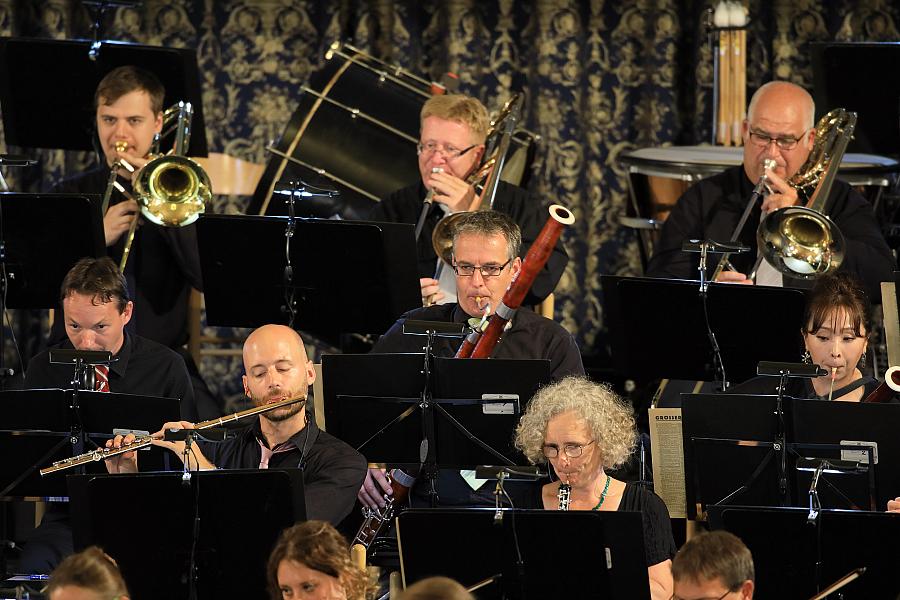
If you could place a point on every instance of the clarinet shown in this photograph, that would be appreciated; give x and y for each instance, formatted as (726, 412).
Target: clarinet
(564, 496)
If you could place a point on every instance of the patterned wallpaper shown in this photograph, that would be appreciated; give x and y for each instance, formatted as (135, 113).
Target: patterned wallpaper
(601, 78)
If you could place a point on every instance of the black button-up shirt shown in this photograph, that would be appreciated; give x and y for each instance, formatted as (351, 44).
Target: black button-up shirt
(332, 471)
(143, 367)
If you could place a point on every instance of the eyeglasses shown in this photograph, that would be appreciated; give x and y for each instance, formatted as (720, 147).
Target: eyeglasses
(449, 152)
(570, 450)
(675, 597)
(785, 143)
(464, 270)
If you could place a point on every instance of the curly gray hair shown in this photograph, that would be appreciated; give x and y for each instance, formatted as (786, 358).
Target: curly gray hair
(609, 418)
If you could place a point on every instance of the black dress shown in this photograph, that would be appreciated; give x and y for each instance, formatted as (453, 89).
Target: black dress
(659, 544)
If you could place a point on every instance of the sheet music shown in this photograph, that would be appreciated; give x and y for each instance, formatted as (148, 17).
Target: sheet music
(668, 459)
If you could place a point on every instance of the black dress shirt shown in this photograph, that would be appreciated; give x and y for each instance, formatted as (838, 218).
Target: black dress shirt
(143, 367)
(332, 471)
(712, 208)
(405, 206)
(162, 267)
(531, 336)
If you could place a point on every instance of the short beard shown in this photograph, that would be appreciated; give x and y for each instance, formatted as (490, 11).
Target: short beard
(282, 414)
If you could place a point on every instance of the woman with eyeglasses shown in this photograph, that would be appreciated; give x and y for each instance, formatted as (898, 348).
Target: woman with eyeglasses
(87, 575)
(583, 429)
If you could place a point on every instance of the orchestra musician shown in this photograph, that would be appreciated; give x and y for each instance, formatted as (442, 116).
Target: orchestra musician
(836, 325)
(715, 564)
(583, 429)
(780, 127)
(311, 560)
(451, 147)
(97, 310)
(485, 260)
(164, 262)
(276, 368)
(88, 575)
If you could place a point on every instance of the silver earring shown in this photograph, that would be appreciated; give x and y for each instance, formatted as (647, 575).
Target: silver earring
(862, 361)
(807, 357)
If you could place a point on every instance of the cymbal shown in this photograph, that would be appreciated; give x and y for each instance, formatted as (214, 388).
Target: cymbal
(16, 160)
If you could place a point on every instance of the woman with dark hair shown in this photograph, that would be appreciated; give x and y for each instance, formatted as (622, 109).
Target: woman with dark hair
(835, 329)
(311, 561)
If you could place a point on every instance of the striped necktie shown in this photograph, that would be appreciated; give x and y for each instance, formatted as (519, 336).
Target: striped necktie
(101, 378)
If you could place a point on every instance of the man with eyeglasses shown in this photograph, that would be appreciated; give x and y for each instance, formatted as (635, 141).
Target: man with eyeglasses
(713, 566)
(451, 147)
(779, 127)
(485, 259)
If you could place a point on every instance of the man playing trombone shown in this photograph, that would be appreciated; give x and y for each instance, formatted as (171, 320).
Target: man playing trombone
(163, 262)
(779, 127)
(453, 131)
(276, 369)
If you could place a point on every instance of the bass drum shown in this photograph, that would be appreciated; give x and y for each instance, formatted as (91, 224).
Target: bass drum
(355, 130)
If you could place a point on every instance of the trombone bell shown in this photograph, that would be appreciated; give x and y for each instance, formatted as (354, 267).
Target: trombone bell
(173, 191)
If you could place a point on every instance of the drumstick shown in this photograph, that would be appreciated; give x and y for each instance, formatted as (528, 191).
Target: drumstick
(833, 375)
(724, 89)
(737, 82)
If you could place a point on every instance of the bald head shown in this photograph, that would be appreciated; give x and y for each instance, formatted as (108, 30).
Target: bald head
(269, 335)
(779, 127)
(277, 368)
(794, 100)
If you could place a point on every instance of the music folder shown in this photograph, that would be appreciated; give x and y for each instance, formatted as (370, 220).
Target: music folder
(347, 276)
(157, 525)
(37, 115)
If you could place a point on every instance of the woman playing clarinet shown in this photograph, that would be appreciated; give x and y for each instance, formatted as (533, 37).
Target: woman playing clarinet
(583, 429)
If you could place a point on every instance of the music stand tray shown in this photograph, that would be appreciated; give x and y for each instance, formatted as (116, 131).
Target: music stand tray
(348, 277)
(470, 546)
(147, 522)
(37, 115)
(37, 427)
(670, 313)
(372, 402)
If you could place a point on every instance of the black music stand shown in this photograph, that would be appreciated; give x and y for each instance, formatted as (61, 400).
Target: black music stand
(41, 426)
(37, 115)
(529, 550)
(735, 461)
(749, 323)
(347, 277)
(371, 402)
(794, 559)
(224, 524)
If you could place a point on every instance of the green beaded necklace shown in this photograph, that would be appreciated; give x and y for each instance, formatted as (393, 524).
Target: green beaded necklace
(603, 494)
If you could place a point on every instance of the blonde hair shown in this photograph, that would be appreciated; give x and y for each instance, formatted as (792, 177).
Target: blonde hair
(462, 109)
(319, 546)
(91, 569)
(436, 588)
(609, 418)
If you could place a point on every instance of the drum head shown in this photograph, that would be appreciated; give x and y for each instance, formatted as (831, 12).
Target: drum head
(355, 130)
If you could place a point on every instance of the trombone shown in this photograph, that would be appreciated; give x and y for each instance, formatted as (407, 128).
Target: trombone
(171, 190)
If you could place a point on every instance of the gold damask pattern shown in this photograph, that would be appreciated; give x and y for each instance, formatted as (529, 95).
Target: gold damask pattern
(601, 78)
